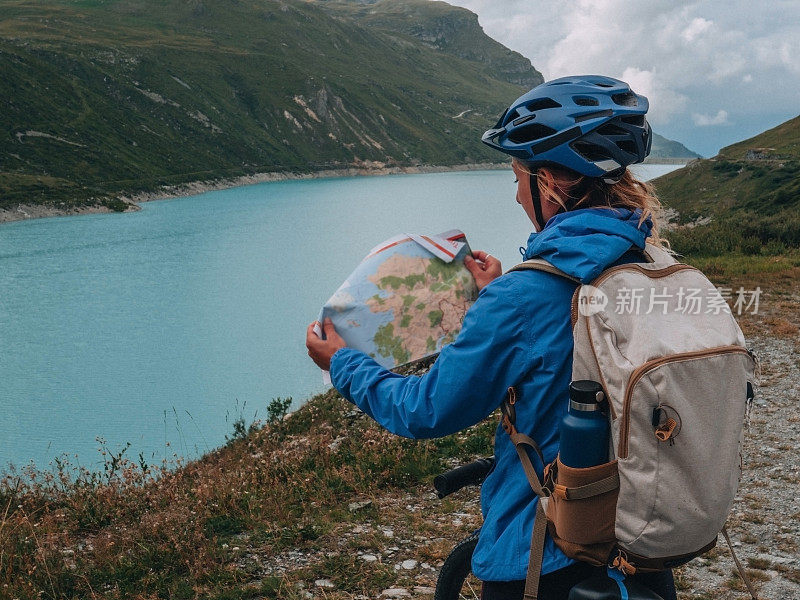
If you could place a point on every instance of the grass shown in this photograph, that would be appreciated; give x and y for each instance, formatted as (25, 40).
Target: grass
(181, 530)
(724, 266)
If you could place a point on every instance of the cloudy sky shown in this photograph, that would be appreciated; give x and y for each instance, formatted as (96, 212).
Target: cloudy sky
(715, 71)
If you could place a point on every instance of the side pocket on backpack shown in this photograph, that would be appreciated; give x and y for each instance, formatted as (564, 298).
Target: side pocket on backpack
(580, 519)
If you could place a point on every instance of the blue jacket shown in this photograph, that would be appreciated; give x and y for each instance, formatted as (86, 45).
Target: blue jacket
(517, 333)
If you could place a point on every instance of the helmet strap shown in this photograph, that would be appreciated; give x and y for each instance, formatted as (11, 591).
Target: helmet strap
(537, 202)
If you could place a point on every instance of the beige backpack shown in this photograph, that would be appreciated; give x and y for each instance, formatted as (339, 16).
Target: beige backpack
(678, 378)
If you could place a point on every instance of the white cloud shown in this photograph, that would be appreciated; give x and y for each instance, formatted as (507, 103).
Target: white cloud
(664, 102)
(686, 56)
(698, 26)
(721, 118)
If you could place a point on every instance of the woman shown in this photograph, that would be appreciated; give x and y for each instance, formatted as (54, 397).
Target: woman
(571, 140)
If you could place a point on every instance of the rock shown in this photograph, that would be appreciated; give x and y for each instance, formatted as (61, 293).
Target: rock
(389, 533)
(370, 558)
(778, 560)
(421, 589)
(409, 564)
(354, 506)
(396, 593)
(324, 583)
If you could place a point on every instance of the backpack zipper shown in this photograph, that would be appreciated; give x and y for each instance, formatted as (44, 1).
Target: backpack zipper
(640, 371)
(573, 313)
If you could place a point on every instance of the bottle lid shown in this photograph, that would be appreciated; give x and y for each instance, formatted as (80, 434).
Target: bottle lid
(585, 395)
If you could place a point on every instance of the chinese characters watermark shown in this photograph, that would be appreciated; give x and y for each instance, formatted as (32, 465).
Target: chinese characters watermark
(655, 300)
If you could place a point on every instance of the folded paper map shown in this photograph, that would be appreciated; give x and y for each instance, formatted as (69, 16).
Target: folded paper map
(406, 299)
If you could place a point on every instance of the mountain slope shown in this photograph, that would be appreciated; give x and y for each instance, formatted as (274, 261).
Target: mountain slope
(104, 97)
(446, 28)
(751, 190)
(121, 95)
(758, 174)
(664, 148)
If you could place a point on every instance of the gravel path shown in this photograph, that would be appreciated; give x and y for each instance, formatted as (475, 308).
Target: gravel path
(765, 522)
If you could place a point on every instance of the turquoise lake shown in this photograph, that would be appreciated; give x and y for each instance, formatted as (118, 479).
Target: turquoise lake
(160, 328)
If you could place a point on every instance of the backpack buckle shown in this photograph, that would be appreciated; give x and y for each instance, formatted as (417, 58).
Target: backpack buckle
(560, 491)
(509, 418)
(621, 563)
(549, 479)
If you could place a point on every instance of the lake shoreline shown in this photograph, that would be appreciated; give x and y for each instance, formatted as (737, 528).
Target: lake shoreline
(23, 212)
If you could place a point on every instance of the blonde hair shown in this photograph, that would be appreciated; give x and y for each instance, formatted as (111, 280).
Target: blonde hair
(558, 185)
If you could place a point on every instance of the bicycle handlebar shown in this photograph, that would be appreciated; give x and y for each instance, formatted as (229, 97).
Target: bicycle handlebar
(471, 474)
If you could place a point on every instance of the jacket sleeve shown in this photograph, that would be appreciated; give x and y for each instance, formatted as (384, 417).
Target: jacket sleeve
(465, 384)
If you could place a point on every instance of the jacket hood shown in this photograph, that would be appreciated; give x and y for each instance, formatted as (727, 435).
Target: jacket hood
(584, 242)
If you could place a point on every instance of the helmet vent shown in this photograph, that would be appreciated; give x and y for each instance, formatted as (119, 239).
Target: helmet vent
(530, 132)
(585, 101)
(541, 103)
(625, 99)
(603, 84)
(637, 120)
(609, 129)
(627, 146)
(591, 152)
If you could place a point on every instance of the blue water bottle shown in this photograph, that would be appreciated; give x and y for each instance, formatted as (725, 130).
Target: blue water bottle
(584, 429)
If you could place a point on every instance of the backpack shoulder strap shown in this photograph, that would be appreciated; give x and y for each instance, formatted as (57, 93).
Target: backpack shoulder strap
(650, 254)
(539, 264)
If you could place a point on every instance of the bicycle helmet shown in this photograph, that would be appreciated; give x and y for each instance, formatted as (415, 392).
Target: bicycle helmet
(591, 124)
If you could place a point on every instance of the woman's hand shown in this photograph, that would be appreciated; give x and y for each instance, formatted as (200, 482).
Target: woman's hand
(321, 351)
(484, 267)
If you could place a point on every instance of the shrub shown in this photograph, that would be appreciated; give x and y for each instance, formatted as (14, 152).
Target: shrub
(116, 205)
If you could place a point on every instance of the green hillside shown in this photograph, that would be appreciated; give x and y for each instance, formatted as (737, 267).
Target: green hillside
(751, 191)
(442, 27)
(108, 96)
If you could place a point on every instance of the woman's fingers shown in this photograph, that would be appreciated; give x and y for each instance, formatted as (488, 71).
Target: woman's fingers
(321, 350)
(473, 266)
(484, 267)
(311, 336)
